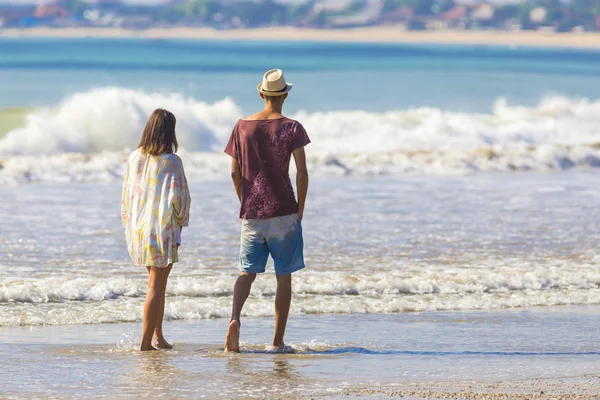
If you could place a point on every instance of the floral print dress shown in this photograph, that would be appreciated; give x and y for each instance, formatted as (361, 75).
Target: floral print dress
(155, 206)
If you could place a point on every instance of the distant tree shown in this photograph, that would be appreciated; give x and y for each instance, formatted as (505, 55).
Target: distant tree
(583, 11)
(423, 7)
(202, 9)
(354, 7)
(391, 5)
(301, 10)
(507, 12)
(581, 7)
(319, 19)
(555, 11)
(75, 7)
(257, 13)
(524, 18)
(441, 6)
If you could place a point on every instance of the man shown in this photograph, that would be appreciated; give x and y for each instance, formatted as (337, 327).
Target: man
(261, 147)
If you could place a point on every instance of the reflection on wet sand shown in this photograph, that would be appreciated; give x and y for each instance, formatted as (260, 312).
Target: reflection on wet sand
(267, 375)
(282, 370)
(151, 371)
(270, 368)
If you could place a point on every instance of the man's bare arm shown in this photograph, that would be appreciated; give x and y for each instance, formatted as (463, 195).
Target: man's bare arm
(236, 177)
(301, 179)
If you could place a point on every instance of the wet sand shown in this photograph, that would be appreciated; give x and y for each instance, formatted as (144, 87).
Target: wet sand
(388, 34)
(543, 353)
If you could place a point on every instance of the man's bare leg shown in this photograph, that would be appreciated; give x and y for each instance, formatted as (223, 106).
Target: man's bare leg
(241, 291)
(159, 340)
(157, 284)
(283, 300)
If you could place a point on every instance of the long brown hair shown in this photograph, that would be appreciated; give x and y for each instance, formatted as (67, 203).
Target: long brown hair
(159, 134)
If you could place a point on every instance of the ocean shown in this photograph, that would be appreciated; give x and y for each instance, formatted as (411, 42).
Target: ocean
(452, 219)
(370, 109)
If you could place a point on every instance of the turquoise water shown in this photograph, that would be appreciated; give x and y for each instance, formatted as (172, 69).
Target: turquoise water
(369, 108)
(328, 76)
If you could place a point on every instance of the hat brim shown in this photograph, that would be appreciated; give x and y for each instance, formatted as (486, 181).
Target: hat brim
(287, 89)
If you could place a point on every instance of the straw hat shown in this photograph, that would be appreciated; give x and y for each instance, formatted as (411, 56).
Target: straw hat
(274, 84)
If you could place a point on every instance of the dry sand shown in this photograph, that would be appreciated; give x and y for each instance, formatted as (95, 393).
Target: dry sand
(371, 34)
(582, 387)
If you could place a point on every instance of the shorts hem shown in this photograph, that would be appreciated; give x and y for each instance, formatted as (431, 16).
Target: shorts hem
(290, 271)
(251, 270)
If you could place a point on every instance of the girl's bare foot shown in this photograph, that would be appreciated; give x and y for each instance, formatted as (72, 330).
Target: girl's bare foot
(147, 348)
(232, 340)
(161, 343)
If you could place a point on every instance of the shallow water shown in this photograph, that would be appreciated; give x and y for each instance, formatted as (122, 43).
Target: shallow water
(384, 245)
(333, 354)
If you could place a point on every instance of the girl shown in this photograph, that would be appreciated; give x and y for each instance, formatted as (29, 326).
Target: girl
(154, 209)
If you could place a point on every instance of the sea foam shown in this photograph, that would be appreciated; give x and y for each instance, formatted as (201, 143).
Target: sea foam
(88, 300)
(87, 136)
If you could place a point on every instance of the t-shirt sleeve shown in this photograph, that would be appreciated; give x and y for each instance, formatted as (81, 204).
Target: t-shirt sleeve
(232, 145)
(301, 138)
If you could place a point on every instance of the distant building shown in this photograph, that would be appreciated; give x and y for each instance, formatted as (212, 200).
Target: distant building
(50, 10)
(12, 17)
(456, 17)
(401, 15)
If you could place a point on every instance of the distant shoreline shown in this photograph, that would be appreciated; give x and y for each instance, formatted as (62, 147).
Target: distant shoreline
(589, 40)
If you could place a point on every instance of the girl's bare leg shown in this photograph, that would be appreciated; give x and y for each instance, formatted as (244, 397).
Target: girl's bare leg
(157, 285)
(159, 340)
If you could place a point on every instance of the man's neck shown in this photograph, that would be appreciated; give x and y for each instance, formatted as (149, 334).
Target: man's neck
(273, 109)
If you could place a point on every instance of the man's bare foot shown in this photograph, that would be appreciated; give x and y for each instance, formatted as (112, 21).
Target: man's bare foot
(161, 343)
(232, 340)
(282, 348)
(147, 348)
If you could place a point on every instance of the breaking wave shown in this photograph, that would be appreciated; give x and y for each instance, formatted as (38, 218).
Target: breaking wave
(88, 135)
(89, 300)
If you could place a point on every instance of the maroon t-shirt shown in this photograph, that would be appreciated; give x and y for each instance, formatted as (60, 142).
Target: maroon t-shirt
(263, 149)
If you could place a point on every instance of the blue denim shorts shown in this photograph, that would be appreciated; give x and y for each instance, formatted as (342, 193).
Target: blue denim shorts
(280, 236)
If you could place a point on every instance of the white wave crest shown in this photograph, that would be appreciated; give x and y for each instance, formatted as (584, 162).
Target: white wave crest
(112, 119)
(484, 281)
(87, 136)
(60, 301)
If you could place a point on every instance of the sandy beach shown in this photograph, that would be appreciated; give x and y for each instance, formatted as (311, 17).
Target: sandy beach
(367, 34)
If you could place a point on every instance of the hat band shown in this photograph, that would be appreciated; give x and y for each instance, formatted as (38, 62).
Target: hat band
(276, 91)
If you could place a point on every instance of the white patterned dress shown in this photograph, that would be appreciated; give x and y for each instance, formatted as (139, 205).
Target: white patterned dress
(155, 206)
